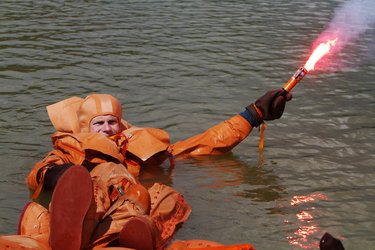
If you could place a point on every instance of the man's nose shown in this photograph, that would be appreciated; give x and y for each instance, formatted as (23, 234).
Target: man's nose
(106, 126)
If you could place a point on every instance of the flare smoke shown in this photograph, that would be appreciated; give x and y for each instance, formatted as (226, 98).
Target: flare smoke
(351, 20)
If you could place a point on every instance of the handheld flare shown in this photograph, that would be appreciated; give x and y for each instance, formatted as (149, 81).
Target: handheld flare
(317, 54)
(300, 73)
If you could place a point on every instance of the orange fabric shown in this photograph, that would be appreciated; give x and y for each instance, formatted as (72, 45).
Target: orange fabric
(33, 229)
(261, 138)
(67, 114)
(22, 242)
(146, 142)
(261, 144)
(63, 114)
(165, 207)
(206, 245)
(218, 139)
(77, 148)
(110, 179)
(72, 147)
(191, 244)
(75, 112)
(133, 167)
(34, 222)
(54, 157)
(168, 208)
(95, 105)
(229, 247)
(161, 204)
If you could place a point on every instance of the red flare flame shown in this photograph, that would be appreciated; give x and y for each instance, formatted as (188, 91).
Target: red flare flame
(318, 53)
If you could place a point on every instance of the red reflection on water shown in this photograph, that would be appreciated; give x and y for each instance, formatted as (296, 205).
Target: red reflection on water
(307, 228)
(304, 215)
(307, 198)
(301, 237)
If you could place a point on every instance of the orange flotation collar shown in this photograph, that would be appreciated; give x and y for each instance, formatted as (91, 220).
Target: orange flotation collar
(146, 142)
(73, 115)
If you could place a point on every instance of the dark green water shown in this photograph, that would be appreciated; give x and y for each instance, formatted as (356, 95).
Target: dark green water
(184, 66)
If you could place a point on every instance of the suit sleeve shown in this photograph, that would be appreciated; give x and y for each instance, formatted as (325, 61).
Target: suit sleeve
(54, 157)
(216, 140)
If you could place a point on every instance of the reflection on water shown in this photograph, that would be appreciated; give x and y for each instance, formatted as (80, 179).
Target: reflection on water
(297, 200)
(226, 171)
(308, 229)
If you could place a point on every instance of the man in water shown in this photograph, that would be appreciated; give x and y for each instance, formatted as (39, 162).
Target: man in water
(96, 199)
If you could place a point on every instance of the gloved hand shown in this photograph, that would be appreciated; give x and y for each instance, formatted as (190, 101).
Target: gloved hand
(268, 107)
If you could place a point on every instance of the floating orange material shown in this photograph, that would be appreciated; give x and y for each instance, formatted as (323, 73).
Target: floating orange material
(146, 142)
(206, 245)
(231, 247)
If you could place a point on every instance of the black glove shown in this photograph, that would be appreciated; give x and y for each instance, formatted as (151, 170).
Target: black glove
(53, 174)
(268, 107)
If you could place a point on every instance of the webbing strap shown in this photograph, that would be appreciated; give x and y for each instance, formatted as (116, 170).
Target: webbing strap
(258, 111)
(261, 144)
(261, 138)
(121, 142)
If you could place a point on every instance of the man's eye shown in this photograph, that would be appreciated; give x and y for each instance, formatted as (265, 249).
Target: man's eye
(98, 123)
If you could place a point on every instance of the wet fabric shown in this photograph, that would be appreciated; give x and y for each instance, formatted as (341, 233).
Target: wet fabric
(95, 105)
(118, 197)
(117, 194)
(89, 149)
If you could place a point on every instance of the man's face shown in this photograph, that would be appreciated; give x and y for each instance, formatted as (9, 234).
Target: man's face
(107, 125)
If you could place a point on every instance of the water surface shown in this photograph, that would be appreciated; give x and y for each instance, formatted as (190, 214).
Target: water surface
(185, 66)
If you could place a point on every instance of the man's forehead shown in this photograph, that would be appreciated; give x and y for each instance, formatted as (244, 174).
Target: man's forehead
(104, 118)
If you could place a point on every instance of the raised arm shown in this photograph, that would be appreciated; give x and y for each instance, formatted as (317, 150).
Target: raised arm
(226, 135)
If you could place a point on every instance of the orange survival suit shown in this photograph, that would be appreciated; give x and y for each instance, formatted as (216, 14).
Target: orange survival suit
(140, 143)
(123, 155)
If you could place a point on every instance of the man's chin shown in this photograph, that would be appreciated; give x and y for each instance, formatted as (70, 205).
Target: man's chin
(107, 134)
